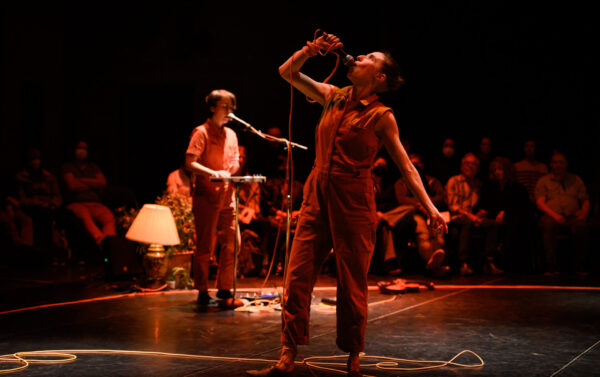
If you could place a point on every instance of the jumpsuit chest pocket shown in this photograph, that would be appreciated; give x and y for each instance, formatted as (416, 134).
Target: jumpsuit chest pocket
(359, 125)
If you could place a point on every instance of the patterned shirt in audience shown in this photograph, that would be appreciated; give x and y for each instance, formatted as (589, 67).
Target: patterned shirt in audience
(461, 195)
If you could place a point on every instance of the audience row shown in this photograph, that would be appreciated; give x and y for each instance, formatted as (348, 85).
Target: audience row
(500, 214)
(36, 212)
(495, 218)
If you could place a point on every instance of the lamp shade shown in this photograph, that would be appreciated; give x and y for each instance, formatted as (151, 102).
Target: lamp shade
(154, 224)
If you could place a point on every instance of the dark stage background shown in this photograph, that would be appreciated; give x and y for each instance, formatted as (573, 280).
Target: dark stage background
(130, 76)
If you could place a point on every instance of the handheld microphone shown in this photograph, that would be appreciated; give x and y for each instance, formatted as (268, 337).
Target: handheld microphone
(233, 117)
(347, 59)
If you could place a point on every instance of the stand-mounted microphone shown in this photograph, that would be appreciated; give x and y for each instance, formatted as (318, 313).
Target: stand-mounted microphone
(267, 136)
(232, 116)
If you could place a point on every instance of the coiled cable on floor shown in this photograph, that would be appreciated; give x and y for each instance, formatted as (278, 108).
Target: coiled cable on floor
(27, 358)
(379, 362)
(391, 363)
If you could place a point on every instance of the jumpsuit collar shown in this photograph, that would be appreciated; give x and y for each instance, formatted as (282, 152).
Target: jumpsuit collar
(365, 101)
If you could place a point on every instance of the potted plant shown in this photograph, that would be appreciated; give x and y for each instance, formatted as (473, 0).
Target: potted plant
(181, 207)
(180, 278)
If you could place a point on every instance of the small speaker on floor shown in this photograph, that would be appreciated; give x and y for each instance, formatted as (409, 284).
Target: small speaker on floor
(122, 259)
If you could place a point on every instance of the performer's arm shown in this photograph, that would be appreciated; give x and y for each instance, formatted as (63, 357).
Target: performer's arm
(318, 91)
(387, 130)
(192, 164)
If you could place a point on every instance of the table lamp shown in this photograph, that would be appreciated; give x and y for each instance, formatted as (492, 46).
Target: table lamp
(154, 225)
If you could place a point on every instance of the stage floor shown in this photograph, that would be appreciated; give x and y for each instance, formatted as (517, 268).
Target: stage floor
(538, 329)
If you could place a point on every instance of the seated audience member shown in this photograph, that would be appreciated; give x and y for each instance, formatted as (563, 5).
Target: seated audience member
(506, 202)
(529, 170)
(562, 197)
(430, 244)
(179, 182)
(249, 193)
(269, 156)
(485, 154)
(273, 206)
(252, 224)
(84, 181)
(16, 228)
(39, 196)
(594, 217)
(463, 193)
(391, 217)
(447, 163)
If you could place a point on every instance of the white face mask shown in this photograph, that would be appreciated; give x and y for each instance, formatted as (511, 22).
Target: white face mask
(448, 151)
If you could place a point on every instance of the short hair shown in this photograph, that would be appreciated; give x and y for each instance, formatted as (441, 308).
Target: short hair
(470, 154)
(216, 95)
(559, 152)
(391, 70)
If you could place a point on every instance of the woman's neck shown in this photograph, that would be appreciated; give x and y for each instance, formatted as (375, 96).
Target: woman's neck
(360, 92)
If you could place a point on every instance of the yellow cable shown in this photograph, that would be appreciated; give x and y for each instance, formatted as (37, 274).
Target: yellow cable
(22, 358)
(68, 356)
(391, 363)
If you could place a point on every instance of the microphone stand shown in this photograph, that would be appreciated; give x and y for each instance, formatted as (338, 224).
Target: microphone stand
(288, 145)
(268, 137)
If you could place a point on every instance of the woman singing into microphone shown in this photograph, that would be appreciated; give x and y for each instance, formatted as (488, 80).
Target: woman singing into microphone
(339, 207)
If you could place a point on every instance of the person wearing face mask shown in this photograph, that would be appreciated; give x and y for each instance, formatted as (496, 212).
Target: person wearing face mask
(339, 200)
(40, 197)
(213, 152)
(446, 164)
(84, 182)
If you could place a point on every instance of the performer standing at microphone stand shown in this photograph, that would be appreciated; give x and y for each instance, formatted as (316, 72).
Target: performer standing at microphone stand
(339, 206)
(213, 152)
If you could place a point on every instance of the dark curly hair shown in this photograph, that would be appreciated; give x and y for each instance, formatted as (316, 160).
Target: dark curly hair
(507, 166)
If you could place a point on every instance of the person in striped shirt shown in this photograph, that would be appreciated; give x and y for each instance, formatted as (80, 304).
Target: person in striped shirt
(529, 170)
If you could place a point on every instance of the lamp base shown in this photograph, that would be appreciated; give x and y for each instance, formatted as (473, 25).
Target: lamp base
(155, 266)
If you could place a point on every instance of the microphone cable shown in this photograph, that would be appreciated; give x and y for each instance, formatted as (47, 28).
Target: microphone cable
(290, 166)
(322, 52)
(290, 169)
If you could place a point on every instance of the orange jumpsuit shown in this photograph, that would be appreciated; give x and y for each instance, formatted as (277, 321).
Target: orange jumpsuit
(338, 211)
(213, 203)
